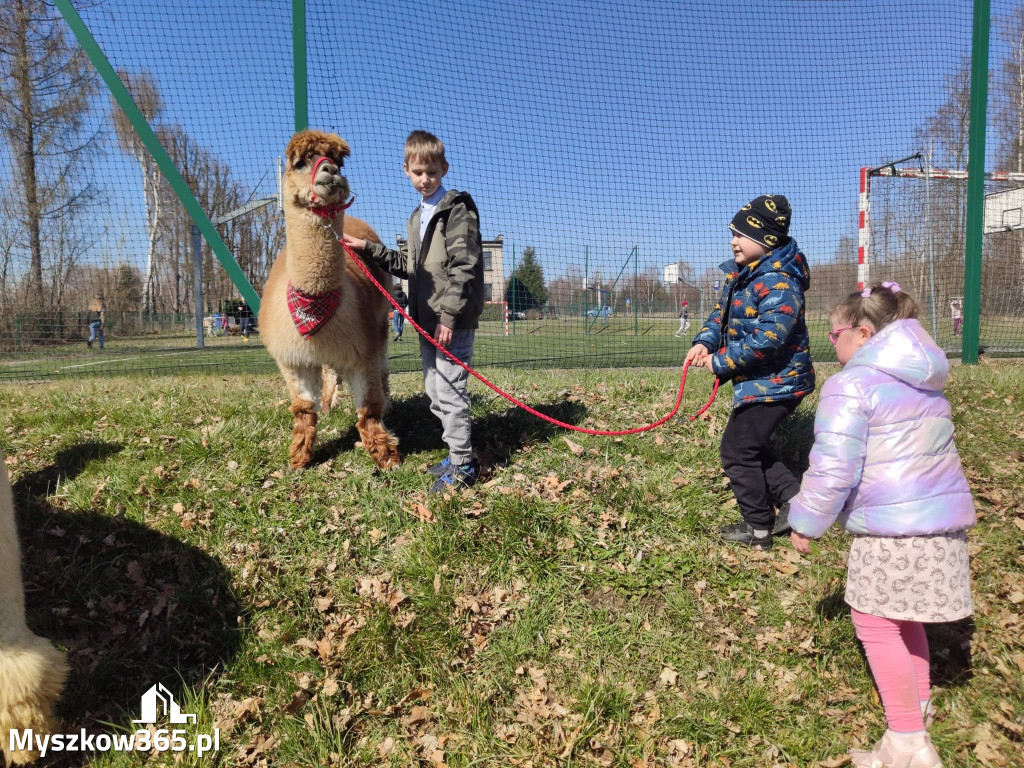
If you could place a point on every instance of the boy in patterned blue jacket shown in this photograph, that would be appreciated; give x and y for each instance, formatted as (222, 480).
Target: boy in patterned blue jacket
(756, 337)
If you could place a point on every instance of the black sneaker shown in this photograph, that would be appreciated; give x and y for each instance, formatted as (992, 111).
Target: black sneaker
(456, 476)
(782, 526)
(441, 467)
(741, 533)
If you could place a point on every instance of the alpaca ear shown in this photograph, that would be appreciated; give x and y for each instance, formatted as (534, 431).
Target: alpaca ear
(294, 155)
(342, 150)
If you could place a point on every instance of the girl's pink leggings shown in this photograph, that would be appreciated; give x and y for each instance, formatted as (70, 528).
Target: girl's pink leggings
(897, 653)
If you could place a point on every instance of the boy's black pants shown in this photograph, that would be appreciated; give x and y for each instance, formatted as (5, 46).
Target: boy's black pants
(758, 477)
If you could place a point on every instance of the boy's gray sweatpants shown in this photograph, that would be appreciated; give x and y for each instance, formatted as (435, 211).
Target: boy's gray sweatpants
(445, 384)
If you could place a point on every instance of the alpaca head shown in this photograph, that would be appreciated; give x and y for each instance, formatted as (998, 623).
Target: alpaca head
(302, 154)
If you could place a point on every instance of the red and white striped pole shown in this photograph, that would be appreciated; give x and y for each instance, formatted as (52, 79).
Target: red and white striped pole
(506, 317)
(863, 229)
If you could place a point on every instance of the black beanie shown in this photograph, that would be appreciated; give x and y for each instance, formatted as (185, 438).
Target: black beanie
(765, 220)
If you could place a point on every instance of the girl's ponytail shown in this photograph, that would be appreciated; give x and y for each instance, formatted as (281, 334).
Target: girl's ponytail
(879, 305)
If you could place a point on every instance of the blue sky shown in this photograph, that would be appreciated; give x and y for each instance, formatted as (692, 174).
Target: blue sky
(600, 124)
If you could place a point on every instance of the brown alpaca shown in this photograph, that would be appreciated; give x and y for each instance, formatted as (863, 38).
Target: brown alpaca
(32, 671)
(313, 347)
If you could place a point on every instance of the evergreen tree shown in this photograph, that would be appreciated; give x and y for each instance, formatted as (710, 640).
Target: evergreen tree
(525, 288)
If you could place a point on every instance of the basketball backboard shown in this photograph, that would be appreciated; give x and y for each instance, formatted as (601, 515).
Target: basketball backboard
(1004, 211)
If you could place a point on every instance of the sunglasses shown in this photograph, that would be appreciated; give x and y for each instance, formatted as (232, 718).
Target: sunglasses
(833, 336)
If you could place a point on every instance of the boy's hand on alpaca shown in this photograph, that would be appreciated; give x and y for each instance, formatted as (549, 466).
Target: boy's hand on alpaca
(800, 542)
(443, 335)
(353, 242)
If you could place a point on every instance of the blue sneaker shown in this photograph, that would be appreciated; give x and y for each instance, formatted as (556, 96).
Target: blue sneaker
(440, 468)
(456, 476)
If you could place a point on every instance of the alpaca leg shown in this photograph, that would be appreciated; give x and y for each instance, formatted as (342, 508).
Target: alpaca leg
(371, 402)
(304, 386)
(331, 394)
(385, 374)
(32, 673)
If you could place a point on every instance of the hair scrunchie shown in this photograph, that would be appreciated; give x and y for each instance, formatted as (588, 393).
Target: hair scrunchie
(892, 286)
(866, 293)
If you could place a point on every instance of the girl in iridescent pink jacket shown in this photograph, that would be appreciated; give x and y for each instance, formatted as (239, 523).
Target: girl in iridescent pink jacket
(885, 466)
(884, 462)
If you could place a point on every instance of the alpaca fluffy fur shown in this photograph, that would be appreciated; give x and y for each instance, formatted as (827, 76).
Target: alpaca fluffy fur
(352, 345)
(32, 671)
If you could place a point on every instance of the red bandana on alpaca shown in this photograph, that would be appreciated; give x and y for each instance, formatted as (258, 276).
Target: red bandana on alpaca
(311, 311)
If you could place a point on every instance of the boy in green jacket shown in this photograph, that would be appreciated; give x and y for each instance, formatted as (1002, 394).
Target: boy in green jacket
(443, 264)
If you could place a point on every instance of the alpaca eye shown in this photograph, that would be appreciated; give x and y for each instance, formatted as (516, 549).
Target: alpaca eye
(301, 163)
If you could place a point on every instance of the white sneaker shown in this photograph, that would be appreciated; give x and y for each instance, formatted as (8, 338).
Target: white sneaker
(886, 754)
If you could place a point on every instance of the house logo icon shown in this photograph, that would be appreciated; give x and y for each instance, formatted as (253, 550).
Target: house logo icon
(158, 703)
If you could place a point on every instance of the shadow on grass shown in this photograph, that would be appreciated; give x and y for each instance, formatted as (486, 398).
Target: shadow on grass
(496, 436)
(132, 607)
(793, 439)
(949, 643)
(67, 465)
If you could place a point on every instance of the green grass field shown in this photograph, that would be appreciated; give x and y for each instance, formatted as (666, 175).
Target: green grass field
(559, 343)
(575, 608)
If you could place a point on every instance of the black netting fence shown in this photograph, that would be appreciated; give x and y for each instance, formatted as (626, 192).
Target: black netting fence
(607, 148)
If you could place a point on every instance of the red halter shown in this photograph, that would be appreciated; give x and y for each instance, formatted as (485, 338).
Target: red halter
(325, 211)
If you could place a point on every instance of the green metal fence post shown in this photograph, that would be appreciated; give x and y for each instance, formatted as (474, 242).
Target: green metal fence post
(514, 290)
(975, 183)
(299, 64)
(586, 290)
(160, 156)
(636, 279)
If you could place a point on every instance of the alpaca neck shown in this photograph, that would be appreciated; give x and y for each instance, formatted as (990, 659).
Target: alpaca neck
(316, 259)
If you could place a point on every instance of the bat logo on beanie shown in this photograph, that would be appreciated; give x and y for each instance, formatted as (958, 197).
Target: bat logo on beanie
(765, 219)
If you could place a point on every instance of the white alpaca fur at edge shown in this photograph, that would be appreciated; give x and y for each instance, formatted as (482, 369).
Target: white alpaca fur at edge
(32, 671)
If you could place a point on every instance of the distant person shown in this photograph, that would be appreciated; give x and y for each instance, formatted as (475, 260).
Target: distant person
(684, 319)
(96, 318)
(956, 308)
(244, 315)
(398, 321)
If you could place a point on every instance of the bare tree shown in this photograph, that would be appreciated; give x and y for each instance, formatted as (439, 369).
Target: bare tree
(46, 84)
(10, 230)
(947, 132)
(146, 95)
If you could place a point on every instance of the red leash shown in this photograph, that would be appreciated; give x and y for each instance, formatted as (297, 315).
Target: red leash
(510, 398)
(329, 212)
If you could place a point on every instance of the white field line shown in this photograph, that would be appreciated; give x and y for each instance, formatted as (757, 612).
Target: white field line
(98, 362)
(123, 359)
(172, 354)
